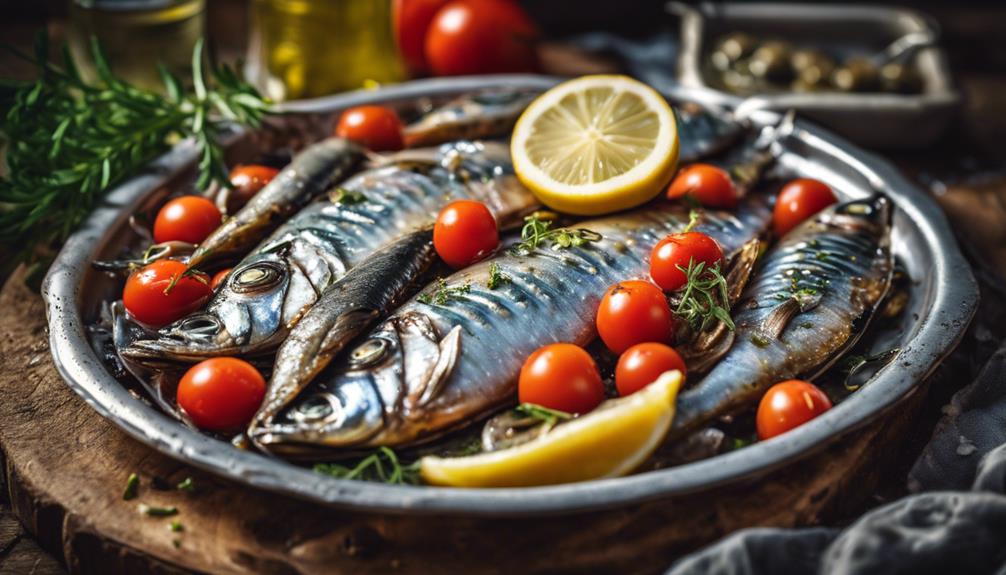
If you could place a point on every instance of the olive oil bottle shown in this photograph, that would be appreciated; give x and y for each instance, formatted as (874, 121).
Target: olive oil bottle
(307, 48)
(136, 35)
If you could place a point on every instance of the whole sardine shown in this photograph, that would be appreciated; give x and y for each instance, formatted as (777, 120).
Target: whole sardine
(432, 366)
(812, 299)
(310, 174)
(267, 293)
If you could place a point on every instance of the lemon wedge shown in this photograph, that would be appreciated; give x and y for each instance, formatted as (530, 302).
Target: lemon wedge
(596, 144)
(610, 441)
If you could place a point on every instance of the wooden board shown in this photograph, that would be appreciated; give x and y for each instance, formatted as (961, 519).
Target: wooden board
(66, 467)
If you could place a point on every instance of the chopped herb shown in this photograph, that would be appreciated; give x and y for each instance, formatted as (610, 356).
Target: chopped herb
(760, 340)
(347, 197)
(443, 293)
(537, 232)
(382, 466)
(549, 416)
(177, 543)
(186, 485)
(132, 487)
(176, 526)
(496, 277)
(739, 443)
(821, 256)
(157, 511)
(704, 298)
(806, 325)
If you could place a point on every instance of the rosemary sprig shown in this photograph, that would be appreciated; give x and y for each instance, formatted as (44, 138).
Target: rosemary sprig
(550, 417)
(496, 277)
(443, 292)
(69, 140)
(704, 299)
(381, 466)
(188, 273)
(538, 232)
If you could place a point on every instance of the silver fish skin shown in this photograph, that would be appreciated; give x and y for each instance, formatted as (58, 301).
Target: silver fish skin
(812, 298)
(704, 132)
(478, 115)
(433, 366)
(309, 175)
(346, 309)
(266, 294)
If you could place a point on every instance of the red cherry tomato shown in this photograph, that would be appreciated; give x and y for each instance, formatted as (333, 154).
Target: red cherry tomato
(634, 312)
(186, 219)
(679, 250)
(376, 127)
(247, 181)
(706, 184)
(481, 37)
(221, 394)
(788, 405)
(151, 299)
(219, 277)
(642, 364)
(411, 19)
(799, 200)
(465, 233)
(561, 376)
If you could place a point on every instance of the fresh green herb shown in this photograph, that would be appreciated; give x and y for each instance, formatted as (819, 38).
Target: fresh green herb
(704, 299)
(177, 543)
(760, 340)
(70, 140)
(496, 277)
(443, 292)
(347, 197)
(157, 511)
(740, 443)
(537, 232)
(382, 466)
(176, 526)
(186, 485)
(188, 273)
(132, 487)
(693, 220)
(549, 416)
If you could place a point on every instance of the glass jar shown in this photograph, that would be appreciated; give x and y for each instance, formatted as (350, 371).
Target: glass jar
(136, 35)
(308, 48)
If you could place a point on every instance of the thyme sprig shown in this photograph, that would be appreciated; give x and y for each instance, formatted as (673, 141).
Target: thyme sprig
(538, 232)
(382, 466)
(704, 299)
(443, 292)
(550, 417)
(69, 140)
(496, 277)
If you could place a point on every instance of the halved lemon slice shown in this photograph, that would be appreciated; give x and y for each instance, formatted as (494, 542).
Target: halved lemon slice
(596, 144)
(610, 441)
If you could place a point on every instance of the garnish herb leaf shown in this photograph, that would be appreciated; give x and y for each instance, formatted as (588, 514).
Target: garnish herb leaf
(68, 140)
(443, 292)
(132, 487)
(496, 277)
(705, 298)
(176, 526)
(549, 416)
(381, 466)
(346, 197)
(186, 485)
(157, 511)
(538, 232)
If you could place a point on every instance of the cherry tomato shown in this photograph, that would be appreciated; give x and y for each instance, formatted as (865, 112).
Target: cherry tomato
(411, 19)
(706, 184)
(642, 364)
(679, 250)
(465, 233)
(787, 405)
(481, 37)
(221, 394)
(248, 180)
(186, 219)
(219, 277)
(376, 127)
(799, 200)
(561, 376)
(151, 299)
(634, 312)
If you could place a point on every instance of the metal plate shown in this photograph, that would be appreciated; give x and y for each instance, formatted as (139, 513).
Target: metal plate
(870, 119)
(945, 297)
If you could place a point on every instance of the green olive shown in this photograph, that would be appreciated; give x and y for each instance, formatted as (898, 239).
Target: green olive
(856, 75)
(900, 78)
(736, 46)
(771, 62)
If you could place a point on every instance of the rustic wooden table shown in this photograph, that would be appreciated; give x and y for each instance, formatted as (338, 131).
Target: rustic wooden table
(53, 498)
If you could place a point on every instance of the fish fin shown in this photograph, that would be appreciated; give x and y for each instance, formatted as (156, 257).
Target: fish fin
(450, 349)
(347, 326)
(779, 317)
(740, 269)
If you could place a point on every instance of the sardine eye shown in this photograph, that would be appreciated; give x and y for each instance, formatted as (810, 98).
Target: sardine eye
(313, 409)
(200, 324)
(256, 277)
(369, 352)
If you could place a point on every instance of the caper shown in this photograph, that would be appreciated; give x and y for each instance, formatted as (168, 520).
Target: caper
(900, 78)
(856, 75)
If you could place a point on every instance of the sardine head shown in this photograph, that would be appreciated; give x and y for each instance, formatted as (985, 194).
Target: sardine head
(373, 394)
(872, 214)
(241, 318)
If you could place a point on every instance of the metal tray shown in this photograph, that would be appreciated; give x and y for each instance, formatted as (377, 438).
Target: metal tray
(874, 120)
(944, 299)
